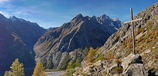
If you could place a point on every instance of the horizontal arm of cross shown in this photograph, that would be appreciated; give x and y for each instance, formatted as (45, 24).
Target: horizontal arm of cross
(133, 20)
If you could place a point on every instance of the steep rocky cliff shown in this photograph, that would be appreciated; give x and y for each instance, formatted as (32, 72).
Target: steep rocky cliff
(17, 37)
(70, 42)
(116, 58)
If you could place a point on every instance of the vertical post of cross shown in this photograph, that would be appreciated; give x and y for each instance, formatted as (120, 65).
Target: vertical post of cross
(133, 36)
(132, 26)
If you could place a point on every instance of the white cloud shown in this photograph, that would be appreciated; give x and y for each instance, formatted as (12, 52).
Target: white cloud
(1, 1)
(4, 0)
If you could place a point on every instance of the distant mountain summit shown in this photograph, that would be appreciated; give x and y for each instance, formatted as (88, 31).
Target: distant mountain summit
(73, 38)
(17, 38)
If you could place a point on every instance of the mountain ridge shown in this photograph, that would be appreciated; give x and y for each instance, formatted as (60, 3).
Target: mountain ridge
(80, 33)
(17, 38)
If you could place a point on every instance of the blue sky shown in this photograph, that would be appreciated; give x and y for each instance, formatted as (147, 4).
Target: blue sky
(54, 13)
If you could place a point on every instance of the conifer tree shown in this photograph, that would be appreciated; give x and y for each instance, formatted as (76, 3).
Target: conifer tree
(39, 70)
(16, 69)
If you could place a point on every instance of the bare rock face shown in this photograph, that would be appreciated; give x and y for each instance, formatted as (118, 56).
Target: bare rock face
(133, 65)
(97, 68)
(136, 70)
(131, 59)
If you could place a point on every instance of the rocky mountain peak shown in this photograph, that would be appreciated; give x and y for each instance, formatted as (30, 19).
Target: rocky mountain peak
(79, 15)
(13, 18)
(104, 17)
(79, 18)
(94, 17)
(115, 19)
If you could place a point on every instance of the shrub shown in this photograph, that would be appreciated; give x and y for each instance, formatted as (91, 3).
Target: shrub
(100, 57)
(70, 65)
(117, 70)
(74, 63)
(156, 56)
(78, 62)
(105, 73)
(109, 54)
(69, 72)
(90, 56)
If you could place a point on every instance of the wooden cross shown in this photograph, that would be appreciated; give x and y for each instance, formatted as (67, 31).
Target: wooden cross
(131, 21)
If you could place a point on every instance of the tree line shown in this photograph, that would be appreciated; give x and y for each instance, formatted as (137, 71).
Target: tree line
(17, 69)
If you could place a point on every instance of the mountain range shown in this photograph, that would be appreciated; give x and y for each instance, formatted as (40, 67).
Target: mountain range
(17, 38)
(60, 45)
(84, 46)
(29, 42)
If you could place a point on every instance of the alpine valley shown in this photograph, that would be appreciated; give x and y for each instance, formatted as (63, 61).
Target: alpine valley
(85, 46)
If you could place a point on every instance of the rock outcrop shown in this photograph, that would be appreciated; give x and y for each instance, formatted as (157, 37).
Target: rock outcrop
(133, 66)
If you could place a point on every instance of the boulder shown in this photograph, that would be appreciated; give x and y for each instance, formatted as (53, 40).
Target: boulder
(133, 66)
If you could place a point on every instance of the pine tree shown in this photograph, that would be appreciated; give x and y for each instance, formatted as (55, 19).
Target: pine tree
(16, 69)
(39, 70)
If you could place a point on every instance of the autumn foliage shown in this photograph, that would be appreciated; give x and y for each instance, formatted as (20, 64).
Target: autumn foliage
(91, 54)
(39, 70)
(16, 69)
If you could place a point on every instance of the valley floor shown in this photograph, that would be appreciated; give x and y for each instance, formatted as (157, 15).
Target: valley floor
(54, 73)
